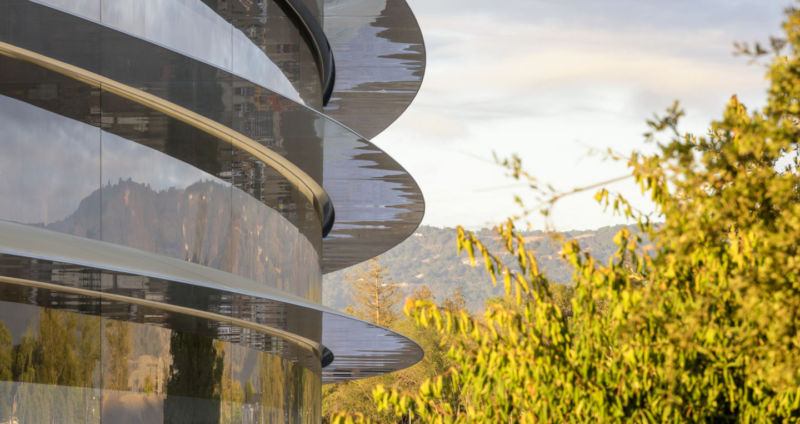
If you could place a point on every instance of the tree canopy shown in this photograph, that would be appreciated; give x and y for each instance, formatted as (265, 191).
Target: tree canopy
(703, 327)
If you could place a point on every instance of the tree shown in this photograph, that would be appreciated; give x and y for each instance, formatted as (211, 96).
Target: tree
(423, 293)
(118, 345)
(703, 328)
(195, 375)
(249, 391)
(6, 364)
(374, 294)
(456, 301)
(149, 386)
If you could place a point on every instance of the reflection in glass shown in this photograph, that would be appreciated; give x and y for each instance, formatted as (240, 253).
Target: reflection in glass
(49, 373)
(201, 29)
(380, 62)
(50, 167)
(48, 370)
(89, 9)
(150, 201)
(155, 203)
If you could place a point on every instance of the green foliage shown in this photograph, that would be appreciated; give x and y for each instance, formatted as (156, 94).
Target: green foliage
(195, 373)
(428, 260)
(249, 391)
(149, 386)
(456, 301)
(423, 293)
(59, 355)
(702, 328)
(356, 396)
(118, 346)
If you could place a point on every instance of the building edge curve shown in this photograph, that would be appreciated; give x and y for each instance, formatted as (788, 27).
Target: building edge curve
(259, 351)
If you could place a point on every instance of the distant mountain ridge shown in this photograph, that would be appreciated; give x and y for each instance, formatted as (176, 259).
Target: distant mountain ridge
(429, 258)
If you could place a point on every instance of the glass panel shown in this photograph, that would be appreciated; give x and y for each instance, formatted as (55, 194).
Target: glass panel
(128, 15)
(190, 27)
(155, 203)
(380, 62)
(265, 246)
(50, 164)
(89, 9)
(49, 364)
(265, 31)
(54, 360)
(53, 33)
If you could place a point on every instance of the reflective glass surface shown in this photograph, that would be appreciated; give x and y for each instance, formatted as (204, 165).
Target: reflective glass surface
(378, 204)
(360, 349)
(203, 30)
(50, 167)
(380, 62)
(65, 366)
(167, 188)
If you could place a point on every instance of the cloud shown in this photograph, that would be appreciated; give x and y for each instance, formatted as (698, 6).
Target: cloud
(534, 77)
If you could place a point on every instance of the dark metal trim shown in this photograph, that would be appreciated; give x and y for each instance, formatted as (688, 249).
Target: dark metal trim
(323, 47)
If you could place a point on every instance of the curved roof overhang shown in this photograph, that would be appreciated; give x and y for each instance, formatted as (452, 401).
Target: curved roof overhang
(380, 62)
(378, 203)
(359, 349)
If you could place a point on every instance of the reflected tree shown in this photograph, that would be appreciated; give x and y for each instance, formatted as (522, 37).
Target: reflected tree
(194, 382)
(6, 363)
(118, 347)
(60, 356)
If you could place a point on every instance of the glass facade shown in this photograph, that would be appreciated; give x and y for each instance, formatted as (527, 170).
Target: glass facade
(168, 176)
(63, 366)
(138, 178)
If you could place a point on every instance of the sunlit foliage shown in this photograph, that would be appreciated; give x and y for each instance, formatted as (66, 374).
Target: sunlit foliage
(703, 327)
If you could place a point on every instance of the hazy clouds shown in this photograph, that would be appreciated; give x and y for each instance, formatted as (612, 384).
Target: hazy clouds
(535, 77)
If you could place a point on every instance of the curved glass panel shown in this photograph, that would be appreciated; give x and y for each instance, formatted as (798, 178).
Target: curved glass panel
(71, 177)
(203, 30)
(62, 365)
(380, 203)
(360, 349)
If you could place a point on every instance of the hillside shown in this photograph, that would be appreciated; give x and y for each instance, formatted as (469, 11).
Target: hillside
(429, 258)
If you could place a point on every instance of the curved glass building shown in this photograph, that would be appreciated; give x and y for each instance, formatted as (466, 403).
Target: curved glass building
(176, 176)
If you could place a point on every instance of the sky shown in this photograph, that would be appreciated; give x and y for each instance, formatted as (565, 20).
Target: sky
(550, 81)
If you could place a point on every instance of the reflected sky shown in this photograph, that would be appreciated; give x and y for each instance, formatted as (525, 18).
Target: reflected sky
(145, 199)
(33, 141)
(125, 160)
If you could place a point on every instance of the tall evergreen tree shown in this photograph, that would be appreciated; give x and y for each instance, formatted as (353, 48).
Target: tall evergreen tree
(118, 345)
(374, 294)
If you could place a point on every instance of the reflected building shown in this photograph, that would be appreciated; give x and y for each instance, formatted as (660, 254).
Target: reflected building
(176, 176)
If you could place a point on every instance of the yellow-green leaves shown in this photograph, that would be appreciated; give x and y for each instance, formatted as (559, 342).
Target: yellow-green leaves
(700, 325)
